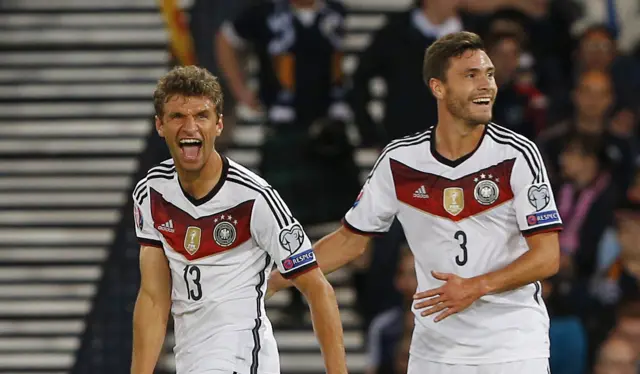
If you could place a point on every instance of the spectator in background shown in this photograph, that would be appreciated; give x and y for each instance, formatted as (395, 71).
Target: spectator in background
(617, 356)
(622, 17)
(520, 106)
(299, 47)
(396, 54)
(628, 326)
(544, 30)
(593, 99)
(205, 19)
(585, 203)
(597, 50)
(388, 328)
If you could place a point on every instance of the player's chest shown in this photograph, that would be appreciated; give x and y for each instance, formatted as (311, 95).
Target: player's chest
(196, 233)
(450, 196)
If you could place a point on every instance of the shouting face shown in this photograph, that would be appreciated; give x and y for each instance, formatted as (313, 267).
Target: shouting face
(190, 126)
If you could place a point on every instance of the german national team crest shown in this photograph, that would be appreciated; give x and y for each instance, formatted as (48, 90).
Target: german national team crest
(192, 239)
(224, 232)
(486, 191)
(453, 200)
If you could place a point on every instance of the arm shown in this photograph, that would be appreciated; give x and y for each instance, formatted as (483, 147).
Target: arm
(332, 252)
(231, 68)
(151, 311)
(371, 214)
(540, 262)
(325, 317)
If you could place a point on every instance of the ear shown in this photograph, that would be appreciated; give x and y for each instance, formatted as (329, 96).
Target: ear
(219, 126)
(159, 127)
(437, 88)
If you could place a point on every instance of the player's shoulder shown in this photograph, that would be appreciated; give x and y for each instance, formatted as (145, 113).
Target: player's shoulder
(159, 173)
(242, 178)
(510, 141)
(407, 144)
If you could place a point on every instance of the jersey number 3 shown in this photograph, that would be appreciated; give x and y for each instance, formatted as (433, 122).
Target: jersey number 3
(192, 276)
(461, 237)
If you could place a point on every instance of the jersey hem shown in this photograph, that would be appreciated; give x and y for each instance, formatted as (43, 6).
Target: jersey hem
(298, 272)
(542, 229)
(355, 230)
(479, 360)
(150, 242)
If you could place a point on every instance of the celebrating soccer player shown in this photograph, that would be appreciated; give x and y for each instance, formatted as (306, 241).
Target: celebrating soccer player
(478, 212)
(210, 231)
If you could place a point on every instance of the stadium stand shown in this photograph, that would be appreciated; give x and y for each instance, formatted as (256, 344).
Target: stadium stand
(75, 119)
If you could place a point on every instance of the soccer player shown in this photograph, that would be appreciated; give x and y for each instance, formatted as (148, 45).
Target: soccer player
(478, 212)
(210, 231)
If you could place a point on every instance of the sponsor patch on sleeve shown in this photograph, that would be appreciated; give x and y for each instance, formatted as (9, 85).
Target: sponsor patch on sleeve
(542, 218)
(299, 260)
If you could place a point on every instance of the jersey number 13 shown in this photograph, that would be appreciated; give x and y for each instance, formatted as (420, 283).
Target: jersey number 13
(192, 279)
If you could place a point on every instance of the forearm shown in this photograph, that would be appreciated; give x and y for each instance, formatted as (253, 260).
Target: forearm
(328, 327)
(336, 250)
(149, 330)
(532, 266)
(332, 252)
(230, 64)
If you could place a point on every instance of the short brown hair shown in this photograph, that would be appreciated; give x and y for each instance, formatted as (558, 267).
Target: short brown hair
(188, 81)
(438, 55)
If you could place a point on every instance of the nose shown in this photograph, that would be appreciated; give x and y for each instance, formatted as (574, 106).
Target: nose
(190, 123)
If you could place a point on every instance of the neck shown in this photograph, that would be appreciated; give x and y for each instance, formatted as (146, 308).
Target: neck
(455, 139)
(199, 183)
(435, 14)
(589, 125)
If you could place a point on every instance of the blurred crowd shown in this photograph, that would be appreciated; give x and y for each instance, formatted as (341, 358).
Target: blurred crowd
(568, 73)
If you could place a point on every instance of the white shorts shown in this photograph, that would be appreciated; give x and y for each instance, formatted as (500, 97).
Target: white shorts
(532, 366)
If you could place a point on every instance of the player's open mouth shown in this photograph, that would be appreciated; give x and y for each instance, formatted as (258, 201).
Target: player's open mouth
(482, 101)
(190, 148)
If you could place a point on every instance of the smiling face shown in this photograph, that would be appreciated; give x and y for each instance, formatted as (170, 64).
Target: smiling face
(469, 90)
(461, 77)
(190, 126)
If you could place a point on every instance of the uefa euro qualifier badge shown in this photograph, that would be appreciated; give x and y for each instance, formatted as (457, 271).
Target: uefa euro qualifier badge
(291, 240)
(539, 197)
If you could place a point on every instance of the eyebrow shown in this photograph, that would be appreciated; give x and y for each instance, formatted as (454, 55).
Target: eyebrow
(478, 70)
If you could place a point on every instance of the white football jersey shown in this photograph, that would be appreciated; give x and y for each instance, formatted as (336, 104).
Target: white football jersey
(221, 249)
(467, 217)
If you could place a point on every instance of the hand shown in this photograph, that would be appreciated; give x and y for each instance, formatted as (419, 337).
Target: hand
(452, 297)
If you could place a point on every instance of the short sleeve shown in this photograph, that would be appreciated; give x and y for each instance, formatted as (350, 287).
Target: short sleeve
(247, 28)
(376, 205)
(281, 236)
(535, 206)
(146, 233)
